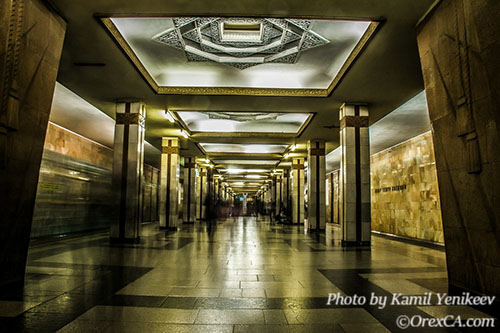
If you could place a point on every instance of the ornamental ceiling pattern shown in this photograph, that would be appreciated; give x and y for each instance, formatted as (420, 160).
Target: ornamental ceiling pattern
(280, 40)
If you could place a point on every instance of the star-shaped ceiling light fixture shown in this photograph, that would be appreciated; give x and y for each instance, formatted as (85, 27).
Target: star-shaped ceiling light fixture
(241, 42)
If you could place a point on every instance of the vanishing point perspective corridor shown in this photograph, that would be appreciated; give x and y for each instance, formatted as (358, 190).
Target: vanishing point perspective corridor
(249, 166)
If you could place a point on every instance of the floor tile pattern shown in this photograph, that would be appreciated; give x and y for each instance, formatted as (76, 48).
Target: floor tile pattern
(236, 275)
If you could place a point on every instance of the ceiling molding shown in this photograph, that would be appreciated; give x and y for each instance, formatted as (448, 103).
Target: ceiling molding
(235, 91)
(198, 135)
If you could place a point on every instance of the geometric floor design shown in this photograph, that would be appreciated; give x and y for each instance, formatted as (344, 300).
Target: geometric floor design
(239, 275)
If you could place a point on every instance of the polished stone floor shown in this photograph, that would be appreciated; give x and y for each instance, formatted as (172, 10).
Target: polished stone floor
(239, 275)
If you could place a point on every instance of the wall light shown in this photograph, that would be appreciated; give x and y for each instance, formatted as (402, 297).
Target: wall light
(169, 116)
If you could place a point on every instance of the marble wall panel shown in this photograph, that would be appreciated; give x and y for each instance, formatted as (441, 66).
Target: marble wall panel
(412, 209)
(69, 144)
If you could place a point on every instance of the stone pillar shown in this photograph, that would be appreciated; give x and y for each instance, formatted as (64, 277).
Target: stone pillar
(201, 193)
(189, 209)
(169, 181)
(333, 197)
(216, 189)
(210, 203)
(316, 185)
(244, 206)
(278, 193)
(128, 162)
(267, 194)
(355, 175)
(286, 193)
(298, 182)
(459, 47)
(31, 40)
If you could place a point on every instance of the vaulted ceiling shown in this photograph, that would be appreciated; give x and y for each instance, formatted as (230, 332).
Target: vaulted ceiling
(243, 65)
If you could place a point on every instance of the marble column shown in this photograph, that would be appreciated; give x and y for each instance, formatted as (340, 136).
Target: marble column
(245, 203)
(216, 189)
(210, 214)
(459, 48)
(286, 194)
(128, 162)
(333, 197)
(222, 192)
(267, 194)
(189, 209)
(32, 36)
(298, 182)
(278, 193)
(169, 181)
(354, 175)
(316, 185)
(201, 193)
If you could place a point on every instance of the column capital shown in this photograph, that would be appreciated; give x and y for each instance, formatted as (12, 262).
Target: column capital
(189, 162)
(130, 113)
(169, 145)
(298, 163)
(316, 147)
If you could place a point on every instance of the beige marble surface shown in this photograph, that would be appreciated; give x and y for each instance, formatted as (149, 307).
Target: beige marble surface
(67, 143)
(415, 211)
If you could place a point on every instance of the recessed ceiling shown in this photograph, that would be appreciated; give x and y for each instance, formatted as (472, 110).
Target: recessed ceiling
(243, 122)
(177, 55)
(241, 42)
(234, 170)
(382, 70)
(231, 148)
(247, 162)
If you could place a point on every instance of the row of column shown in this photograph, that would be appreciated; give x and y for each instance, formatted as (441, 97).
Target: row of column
(285, 191)
(128, 159)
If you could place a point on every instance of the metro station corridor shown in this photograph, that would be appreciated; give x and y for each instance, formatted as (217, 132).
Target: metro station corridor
(251, 165)
(241, 274)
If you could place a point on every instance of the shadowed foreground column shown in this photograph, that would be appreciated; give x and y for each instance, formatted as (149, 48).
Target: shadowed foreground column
(459, 49)
(31, 40)
(169, 183)
(355, 175)
(128, 161)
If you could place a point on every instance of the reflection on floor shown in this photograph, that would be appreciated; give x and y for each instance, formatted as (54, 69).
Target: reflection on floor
(240, 275)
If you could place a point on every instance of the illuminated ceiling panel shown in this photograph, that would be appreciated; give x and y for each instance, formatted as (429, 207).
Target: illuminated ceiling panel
(241, 122)
(243, 148)
(247, 162)
(242, 171)
(240, 56)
